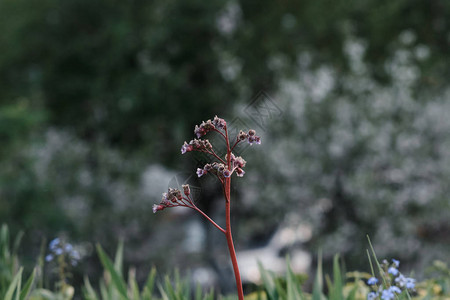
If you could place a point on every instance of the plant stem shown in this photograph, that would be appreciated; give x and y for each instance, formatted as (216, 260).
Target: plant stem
(227, 189)
(230, 242)
(208, 218)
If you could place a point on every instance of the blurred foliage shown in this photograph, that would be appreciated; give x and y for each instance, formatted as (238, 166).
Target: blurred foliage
(93, 92)
(115, 285)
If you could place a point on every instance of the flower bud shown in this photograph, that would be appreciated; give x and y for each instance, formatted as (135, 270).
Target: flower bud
(186, 148)
(157, 207)
(239, 162)
(242, 135)
(219, 123)
(240, 172)
(186, 189)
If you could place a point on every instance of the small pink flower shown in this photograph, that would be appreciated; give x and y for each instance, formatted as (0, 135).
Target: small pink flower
(240, 172)
(186, 189)
(186, 148)
(254, 139)
(242, 135)
(219, 123)
(239, 162)
(200, 172)
(157, 207)
(226, 173)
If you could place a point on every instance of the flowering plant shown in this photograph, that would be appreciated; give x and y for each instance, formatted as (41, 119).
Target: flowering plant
(393, 282)
(223, 169)
(65, 256)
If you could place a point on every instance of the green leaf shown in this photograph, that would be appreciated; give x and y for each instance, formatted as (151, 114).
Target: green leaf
(115, 276)
(268, 283)
(380, 270)
(337, 290)
(118, 260)
(104, 291)
(318, 282)
(19, 286)
(89, 293)
(27, 287)
(13, 285)
(293, 286)
(169, 288)
(198, 292)
(163, 293)
(132, 285)
(149, 284)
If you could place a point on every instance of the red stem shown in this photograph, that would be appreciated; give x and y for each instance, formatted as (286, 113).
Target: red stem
(227, 188)
(215, 155)
(208, 218)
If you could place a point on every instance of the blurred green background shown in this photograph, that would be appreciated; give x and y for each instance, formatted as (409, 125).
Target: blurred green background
(97, 97)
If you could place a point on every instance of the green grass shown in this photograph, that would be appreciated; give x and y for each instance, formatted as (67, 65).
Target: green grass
(115, 286)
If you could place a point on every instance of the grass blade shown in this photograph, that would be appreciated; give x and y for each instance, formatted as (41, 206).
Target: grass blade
(13, 285)
(118, 259)
(27, 287)
(115, 276)
(268, 283)
(318, 282)
(89, 292)
(292, 285)
(337, 290)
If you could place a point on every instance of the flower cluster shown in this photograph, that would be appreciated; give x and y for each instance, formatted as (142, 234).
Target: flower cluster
(197, 145)
(238, 163)
(394, 282)
(172, 198)
(250, 136)
(215, 168)
(63, 250)
(222, 167)
(205, 127)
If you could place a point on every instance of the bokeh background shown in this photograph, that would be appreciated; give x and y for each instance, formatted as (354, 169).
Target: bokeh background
(351, 98)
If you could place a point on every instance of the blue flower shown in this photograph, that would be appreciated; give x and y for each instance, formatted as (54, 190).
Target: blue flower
(393, 271)
(372, 281)
(395, 289)
(371, 296)
(68, 247)
(400, 280)
(58, 251)
(55, 242)
(410, 283)
(75, 255)
(396, 263)
(49, 257)
(387, 295)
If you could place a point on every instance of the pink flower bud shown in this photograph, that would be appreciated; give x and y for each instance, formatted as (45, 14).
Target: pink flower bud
(186, 189)
(242, 135)
(219, 123)
(240, 172)
(239, 162)
(157, 207)
(186, 148)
